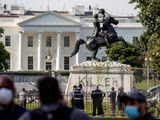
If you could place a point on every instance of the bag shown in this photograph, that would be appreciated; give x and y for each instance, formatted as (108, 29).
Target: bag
(62, 113)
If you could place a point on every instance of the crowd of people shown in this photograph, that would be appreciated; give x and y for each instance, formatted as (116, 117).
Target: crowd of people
(97, 97)
(54, 107)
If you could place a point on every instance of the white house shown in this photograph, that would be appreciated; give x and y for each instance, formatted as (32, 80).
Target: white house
(31, 38)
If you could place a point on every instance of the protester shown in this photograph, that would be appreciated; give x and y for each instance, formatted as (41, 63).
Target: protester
(97, 97)
(136, 106)
(52, 107)
(23, 97)
(8, 109)
(119, 101)
(112, 97)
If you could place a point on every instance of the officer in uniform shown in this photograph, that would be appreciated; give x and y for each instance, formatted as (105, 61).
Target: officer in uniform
(97, 97)
(78, 98)
(72, 100)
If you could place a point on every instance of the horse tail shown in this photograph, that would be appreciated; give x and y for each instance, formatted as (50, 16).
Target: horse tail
(77, 46)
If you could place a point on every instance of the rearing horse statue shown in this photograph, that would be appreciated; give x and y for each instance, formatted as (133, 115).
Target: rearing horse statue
(96, 42)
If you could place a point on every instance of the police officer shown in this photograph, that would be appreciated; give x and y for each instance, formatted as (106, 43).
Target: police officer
(72, 100)
(97, 97)
(78, 97)
(82, 97)
(136, 106)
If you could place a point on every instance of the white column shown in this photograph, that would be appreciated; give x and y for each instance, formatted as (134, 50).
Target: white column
(77, 55)
(58, 58)
(21, 50)
(39, 58)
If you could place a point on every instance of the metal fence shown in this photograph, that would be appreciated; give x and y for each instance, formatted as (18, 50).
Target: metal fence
(153, 104)
(146, 81)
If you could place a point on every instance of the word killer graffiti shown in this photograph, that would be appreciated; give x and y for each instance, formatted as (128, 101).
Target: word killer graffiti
(98, 80)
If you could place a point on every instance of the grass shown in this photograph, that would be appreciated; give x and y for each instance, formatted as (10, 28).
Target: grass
(143, 85)
(112, 119)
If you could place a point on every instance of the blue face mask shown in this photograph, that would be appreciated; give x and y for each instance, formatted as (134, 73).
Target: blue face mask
(132, 112)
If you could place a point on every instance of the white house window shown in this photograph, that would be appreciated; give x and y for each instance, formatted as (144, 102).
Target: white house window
(48, 66)
(48, 41)
(66, 63)
(66, 41)
(30, 62)
(88, 58)
(7, 40)
(30, 41)
(104, 59)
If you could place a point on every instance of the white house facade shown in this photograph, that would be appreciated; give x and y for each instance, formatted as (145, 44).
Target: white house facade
(45, 41)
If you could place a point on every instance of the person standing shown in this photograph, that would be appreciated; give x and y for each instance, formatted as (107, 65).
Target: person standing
(78, 97)
(52, 107)
(112, 97)
(72, 99)
(23, 97)
(82, 97)
(121, 105)
(8, 109)
(97, 97)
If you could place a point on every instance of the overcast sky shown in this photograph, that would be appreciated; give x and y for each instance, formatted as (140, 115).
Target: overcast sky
(116, 7)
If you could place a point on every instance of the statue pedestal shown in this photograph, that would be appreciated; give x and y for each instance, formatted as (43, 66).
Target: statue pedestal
(103, 74)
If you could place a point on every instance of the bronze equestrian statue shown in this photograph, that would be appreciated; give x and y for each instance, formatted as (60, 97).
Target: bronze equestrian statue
(102, 37)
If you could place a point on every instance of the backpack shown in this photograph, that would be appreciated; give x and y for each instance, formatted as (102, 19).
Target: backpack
(62, 113)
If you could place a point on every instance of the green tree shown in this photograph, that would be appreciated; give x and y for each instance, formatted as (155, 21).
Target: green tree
(150, 18)
(4, 55)
(130, 55)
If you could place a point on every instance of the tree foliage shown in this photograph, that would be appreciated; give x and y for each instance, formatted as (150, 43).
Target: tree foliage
(130, 55)
(4, 55)
(150, 18)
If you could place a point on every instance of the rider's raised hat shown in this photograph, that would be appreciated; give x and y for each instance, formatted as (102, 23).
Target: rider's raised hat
(134, 95)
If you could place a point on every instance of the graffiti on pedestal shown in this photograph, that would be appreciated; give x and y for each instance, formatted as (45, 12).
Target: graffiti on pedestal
(103, 81)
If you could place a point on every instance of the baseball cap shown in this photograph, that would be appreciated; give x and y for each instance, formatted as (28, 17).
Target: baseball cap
(134, 95)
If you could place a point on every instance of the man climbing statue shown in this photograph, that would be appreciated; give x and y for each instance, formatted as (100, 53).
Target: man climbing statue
(108, 30)
(103, 36)
(97, 26)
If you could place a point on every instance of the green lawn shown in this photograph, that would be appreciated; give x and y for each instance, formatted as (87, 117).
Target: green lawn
(112, 119)
(143, 85)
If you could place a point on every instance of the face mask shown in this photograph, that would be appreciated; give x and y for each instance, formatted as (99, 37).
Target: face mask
(6, 96)
(132, 112)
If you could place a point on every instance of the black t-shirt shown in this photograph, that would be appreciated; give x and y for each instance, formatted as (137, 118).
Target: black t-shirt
(147, 116)
(62, 113)
(12, 114)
